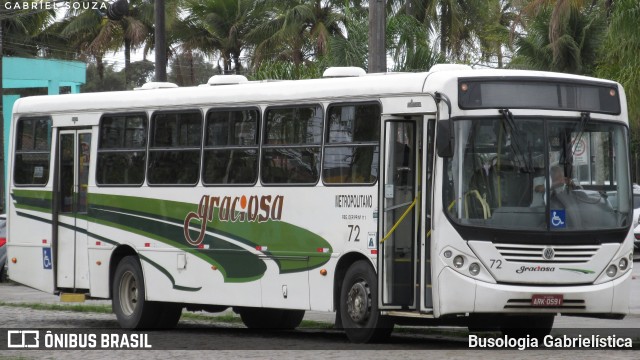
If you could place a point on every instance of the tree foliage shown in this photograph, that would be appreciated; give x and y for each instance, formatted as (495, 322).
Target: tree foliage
(618, 59)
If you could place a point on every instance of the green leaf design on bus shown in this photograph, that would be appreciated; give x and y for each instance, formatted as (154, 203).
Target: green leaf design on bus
(293, 248)
(289, 245)
(582, 271)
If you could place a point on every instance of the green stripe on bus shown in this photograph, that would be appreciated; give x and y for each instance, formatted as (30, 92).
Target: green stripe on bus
(149, 217)
(102, 238)
(36, 200)
(167, 274)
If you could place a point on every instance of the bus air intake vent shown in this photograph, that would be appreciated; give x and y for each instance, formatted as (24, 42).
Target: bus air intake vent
(154, 85)
(526, 304)
(343, 71)
(217, 80)
(549, 254)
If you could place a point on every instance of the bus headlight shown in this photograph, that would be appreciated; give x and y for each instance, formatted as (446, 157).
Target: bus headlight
(474, 269)
(612, 270)
(458, 261)
(622, 265)
(466, 264)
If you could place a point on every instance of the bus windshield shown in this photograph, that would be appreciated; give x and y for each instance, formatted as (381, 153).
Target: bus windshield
(540, 174)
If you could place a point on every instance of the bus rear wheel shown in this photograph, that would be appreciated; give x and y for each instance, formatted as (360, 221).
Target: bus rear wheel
(129, 304)
(168, 315)
(361, 319)
(262, 318)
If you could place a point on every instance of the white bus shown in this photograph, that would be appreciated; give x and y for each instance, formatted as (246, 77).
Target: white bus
(491, 198)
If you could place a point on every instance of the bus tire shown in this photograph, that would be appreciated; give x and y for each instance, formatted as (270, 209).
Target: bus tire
(291, 319)
(129, 304)
(168, 315)
(265, 318)
(359, 312)
(521, 326)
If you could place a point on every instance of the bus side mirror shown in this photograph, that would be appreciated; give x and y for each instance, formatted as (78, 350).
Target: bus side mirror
(444, 138)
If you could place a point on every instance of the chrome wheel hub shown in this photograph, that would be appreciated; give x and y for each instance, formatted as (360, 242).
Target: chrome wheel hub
(128, 293)
(359, 302)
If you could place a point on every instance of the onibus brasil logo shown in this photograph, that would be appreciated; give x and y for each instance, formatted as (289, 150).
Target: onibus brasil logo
(233, 209)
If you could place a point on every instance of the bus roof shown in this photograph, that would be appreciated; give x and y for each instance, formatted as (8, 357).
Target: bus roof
(269, 92)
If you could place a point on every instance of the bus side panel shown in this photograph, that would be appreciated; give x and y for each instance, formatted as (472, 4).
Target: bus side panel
(29, 243)
(321, 287)
(99, 256)
(176, 276)
(284, 291)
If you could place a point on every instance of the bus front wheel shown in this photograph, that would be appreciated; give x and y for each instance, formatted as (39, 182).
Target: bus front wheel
(361, 319)
(129, 304)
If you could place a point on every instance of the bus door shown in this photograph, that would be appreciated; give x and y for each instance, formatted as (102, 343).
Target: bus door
(71, 187)
(400, 207)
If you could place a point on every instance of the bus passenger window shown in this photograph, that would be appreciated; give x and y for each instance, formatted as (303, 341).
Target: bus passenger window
(291, 149)
(352, 144)
(174, 151)
(33, 151)
(122, 149)
(231, 147)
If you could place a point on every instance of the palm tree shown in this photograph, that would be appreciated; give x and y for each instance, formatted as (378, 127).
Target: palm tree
(90, 35)
(408, 43)
(20, 28)
(574, 50)
(94, 35)
(221, 26)
(350, 49)
(561, 13)
(619, 57)
(298, 30)
(496, 33)
(456, 24)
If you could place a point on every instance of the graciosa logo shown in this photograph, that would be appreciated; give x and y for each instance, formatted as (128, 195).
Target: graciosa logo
(233, 209)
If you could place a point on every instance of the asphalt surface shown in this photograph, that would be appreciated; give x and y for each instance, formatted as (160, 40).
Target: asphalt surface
(232, 340)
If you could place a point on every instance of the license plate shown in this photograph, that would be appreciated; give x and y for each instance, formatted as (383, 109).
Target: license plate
(547, 300)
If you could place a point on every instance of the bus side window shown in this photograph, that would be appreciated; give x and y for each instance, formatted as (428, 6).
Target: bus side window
(292, 145)
(174, 149)
(231, 147)
(33, 151)
(352, 144)
(122, 149)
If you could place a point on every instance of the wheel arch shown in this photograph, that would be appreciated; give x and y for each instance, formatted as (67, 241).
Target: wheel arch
(342, 266)
(118, 254)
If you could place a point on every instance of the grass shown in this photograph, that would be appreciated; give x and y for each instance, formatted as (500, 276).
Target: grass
(106, 309)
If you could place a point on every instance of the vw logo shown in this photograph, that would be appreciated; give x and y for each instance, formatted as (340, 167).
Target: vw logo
(548, 253)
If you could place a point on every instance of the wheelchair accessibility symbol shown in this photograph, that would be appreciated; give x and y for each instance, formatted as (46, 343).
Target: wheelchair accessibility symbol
(46, 258)
(558, 219)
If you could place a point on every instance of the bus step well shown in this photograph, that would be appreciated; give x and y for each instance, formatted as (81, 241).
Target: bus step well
(72, 297)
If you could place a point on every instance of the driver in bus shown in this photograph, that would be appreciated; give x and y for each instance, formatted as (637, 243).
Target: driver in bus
(558, 180)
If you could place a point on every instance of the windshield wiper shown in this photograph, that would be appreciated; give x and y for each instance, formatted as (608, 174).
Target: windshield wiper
(507, 116)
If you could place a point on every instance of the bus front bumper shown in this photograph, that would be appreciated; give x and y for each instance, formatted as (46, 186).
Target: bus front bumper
(611, 297)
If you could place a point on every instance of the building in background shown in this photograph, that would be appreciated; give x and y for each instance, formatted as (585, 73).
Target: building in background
(21, 73)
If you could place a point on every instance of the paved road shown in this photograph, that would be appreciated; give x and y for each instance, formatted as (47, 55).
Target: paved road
(308, 343)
